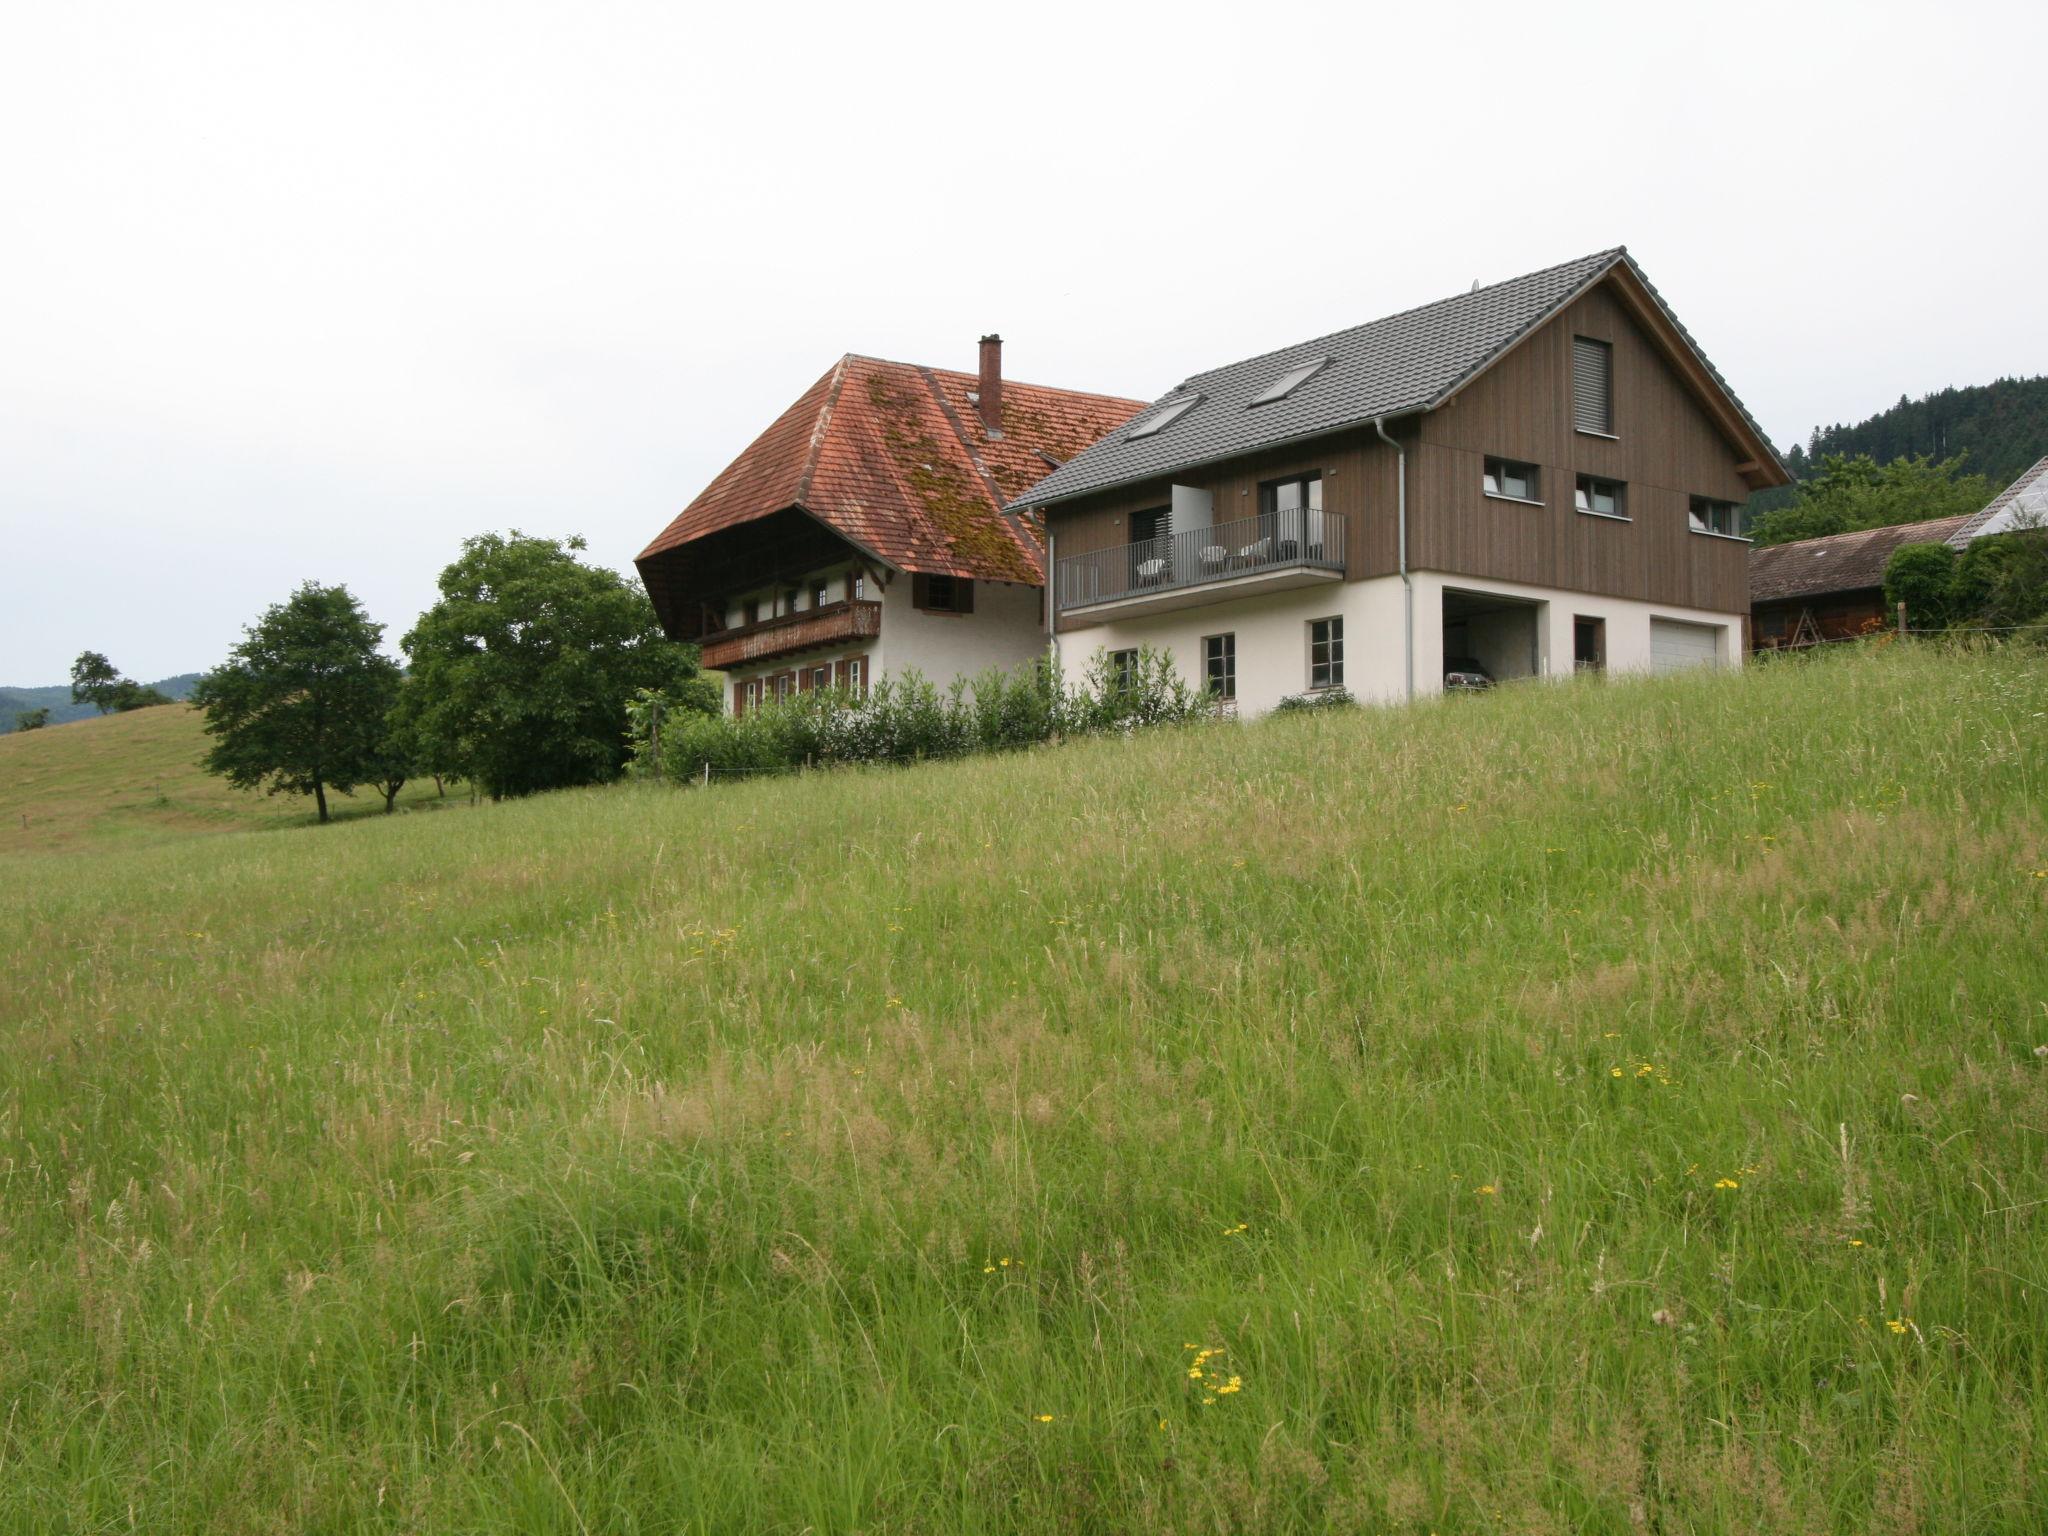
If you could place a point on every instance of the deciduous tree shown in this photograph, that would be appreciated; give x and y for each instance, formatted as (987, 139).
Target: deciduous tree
(302, 705)
(524, 667)
(94, 680)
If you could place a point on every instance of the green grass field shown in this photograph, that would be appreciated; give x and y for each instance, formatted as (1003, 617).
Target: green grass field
(1607, 1108)
(130, 780)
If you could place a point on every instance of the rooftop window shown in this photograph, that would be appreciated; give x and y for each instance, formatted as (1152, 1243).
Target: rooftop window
(1290, 381)
(1165, 416)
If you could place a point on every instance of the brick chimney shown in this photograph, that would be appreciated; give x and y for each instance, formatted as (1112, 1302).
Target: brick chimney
(992, 384)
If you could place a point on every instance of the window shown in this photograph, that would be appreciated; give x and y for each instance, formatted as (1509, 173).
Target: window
(1593, 386)
(1219, 666)
(1722, 517)
(1292, 495)
(1150, 524)
(1123, 670)
(942, 594)
(789, 599)
(750, 696)
(1589, 643)
(821, 678)
(857, 586)
(1326, 653)
(1603, 498)
(856, 675)
(817, 594)
(1163, 417)
(783, 682)
(1290, 381)
(1517, 482)
(750, 611)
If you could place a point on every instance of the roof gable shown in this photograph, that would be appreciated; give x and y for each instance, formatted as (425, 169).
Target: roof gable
(895, 459)
(1416, 360)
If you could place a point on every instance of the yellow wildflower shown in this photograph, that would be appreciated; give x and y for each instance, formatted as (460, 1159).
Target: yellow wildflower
(1726, 1184)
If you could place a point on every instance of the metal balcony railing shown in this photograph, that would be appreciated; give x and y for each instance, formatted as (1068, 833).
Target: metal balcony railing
(1245, 546)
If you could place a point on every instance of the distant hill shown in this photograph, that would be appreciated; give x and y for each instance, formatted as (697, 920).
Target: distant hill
(121, 781)
(2002, 428)
(57, 700)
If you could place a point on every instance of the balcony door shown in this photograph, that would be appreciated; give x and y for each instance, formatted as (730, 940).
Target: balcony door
(1291, 517)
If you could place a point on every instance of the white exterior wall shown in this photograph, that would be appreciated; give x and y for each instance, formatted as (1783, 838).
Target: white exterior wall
(1272, 635)
(1006, 629)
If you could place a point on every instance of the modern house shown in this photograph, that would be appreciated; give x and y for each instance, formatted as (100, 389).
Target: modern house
(1542, 475)
(1832, 588)
(863, 534)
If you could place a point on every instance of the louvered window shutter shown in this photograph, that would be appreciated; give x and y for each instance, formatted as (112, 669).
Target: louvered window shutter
(1592, 385)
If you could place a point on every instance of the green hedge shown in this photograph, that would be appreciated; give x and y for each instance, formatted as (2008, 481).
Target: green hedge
(906, 719)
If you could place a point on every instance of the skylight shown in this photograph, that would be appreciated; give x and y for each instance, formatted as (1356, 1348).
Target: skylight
(1167, 415)
(1290, 381)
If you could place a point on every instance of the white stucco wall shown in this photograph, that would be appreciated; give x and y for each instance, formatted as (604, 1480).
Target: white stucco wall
(1272, 635)
(1006, 629)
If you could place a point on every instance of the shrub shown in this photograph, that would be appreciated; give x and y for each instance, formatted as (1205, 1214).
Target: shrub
(1327, 698)
(1921, 576)
(906, 719)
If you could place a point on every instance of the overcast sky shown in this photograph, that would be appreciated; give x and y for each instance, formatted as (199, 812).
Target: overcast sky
(293, 291)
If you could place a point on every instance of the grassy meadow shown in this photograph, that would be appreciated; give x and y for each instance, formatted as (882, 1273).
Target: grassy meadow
(124, 781)
(1606, 1107)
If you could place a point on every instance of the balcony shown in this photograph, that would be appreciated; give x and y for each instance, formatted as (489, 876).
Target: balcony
(1294, 547)
(792, 632)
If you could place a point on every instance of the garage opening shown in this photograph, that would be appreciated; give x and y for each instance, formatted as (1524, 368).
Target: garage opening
(1676, 645)
(1490, 639)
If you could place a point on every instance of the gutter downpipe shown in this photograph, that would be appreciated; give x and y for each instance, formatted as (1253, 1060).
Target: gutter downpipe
(1379, 425)
(1052, 597)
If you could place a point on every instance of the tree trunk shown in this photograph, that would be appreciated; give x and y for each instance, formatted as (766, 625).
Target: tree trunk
(320, 798)
(440, 789)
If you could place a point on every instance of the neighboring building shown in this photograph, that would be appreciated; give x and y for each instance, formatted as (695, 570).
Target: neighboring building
(1832, 588)
(863, 534)
(2020, 506)
(1536, 476)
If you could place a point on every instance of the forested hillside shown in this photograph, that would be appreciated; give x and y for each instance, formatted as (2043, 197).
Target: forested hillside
(2001, 427)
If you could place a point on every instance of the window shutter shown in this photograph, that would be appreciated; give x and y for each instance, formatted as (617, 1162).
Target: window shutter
(1592, 385)
(920, 590)
(963, 594)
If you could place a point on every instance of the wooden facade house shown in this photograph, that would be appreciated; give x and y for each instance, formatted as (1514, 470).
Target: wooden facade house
(864, 532)
(1539, 476)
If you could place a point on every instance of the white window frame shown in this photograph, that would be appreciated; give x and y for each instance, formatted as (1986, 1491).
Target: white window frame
(1220, 649)
(1333, 662)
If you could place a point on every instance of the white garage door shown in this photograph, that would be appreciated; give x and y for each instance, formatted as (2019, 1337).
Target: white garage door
(1675, 646)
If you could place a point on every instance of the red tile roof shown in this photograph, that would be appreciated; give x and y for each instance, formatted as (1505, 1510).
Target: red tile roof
(1841, 562)
(894, 458)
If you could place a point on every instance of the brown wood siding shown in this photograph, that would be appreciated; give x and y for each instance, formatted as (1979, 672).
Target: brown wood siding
(1666, 450)
(1359, 481)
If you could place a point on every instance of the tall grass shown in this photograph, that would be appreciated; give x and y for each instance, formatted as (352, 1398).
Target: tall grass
(1583, 1108)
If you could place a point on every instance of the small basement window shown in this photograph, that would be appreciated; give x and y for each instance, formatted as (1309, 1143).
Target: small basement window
(1165, 416)
(942, 594)
(1290, 381)
(1517, 482)
(1602, 498)
(1710, 516)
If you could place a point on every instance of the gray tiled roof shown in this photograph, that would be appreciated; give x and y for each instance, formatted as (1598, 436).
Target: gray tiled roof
(2024, 503)
(1407, 362)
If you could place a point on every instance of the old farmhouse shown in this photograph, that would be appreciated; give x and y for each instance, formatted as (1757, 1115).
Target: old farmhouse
(864, 533)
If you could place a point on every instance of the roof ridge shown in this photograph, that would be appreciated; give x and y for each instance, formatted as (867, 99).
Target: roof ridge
(1413, 309)
(1008, 382)
(816, 446)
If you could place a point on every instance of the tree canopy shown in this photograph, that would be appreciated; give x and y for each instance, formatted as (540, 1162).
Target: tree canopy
(522, 671)
(1853, 493)
(94, 680)
(301, 705)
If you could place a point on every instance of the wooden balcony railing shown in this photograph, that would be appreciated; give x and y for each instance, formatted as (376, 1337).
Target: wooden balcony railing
(791, 632)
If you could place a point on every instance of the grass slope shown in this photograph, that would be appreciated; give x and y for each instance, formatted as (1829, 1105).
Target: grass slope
(133, 779)
(57, 700)
(1583, 1108)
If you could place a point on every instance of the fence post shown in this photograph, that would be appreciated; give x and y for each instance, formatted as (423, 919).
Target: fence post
(707, 773)
(1902, 621)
